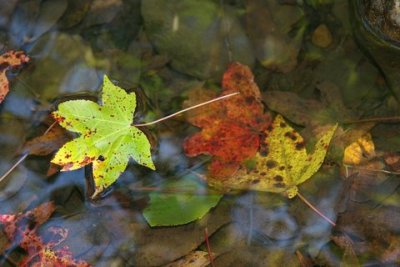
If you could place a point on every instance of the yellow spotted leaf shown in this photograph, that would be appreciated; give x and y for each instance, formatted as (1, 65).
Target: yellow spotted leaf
(282, 163)
(359, 151)
(107, 138)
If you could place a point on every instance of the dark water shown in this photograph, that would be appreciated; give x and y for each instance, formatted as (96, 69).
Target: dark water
(163, 49)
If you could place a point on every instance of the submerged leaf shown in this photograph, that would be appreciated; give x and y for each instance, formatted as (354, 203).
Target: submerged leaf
(8, 60)
(166, 209)
(47, 143)
(282, 162)
(230, 128)
(21, 230)
(107, 138)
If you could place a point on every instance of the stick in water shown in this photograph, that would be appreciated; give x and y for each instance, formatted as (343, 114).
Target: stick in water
(186, 109)
(315, 209)
(208, 247)
(23, 157)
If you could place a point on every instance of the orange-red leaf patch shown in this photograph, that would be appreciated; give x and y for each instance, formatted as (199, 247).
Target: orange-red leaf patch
(9, 60)
(230, 128)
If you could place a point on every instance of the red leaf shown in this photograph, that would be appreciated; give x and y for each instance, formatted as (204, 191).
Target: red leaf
(230, 128)
(9, 60)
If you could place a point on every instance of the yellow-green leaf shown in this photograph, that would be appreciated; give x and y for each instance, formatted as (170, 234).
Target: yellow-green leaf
(106, 139)
(282, 164)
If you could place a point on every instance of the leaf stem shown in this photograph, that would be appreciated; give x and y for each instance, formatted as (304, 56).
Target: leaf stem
(315, 209)
(208, 247)
(371, 170)
(186, 109)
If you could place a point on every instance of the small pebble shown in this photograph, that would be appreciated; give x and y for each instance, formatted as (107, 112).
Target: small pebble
(321, 36)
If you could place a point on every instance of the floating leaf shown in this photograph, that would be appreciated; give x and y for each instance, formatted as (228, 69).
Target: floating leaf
(282, 162)
(9, 60)
(107, 137)
(230, 128)
(166, 209)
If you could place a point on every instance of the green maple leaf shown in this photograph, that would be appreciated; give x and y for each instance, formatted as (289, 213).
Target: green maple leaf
(107, 138)
(283, 164)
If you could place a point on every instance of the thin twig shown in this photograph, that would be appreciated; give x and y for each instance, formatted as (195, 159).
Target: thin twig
(315, 209)
(23, 157)
(377, 119)
(371, 170)
(186, 109)
(50, 127)
(208, 247)
(13, 167)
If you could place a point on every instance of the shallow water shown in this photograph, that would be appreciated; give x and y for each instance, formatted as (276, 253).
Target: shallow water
(164, 49)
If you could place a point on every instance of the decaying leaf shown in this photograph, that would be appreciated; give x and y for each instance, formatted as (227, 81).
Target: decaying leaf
(21, 230)
(230, 128)
(47, 143)
(360, 151)
(281, 164)
(107, 138)
(196, 258)
(9, 60)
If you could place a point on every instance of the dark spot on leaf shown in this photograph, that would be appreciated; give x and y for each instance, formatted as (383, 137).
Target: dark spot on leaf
(263, 150)
(291, 135)
(278, 178)
(249, 100)
(101, 158)
(300, 145)
(271, 164)
(279, 185)
(256, 181)
(282, 124)
(281, 168)
(263, 173)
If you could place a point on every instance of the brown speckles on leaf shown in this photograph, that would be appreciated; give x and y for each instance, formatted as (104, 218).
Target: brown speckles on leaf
(280, 185)
(300, 145)
(67, 166)
(291, 135)
(271, 164)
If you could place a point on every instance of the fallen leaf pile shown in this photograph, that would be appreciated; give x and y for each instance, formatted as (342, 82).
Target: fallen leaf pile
(281, 164)
(230, 129)
(107, 138)
(9, 60)
(21, 230)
